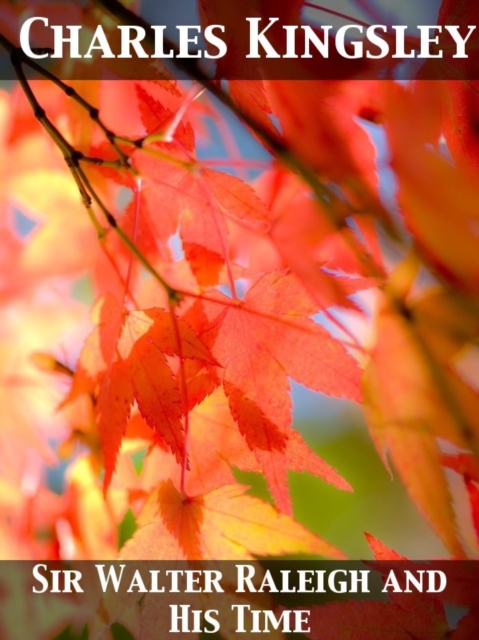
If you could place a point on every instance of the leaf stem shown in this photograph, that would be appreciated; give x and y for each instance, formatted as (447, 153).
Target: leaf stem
(184, 400)
(137, 204)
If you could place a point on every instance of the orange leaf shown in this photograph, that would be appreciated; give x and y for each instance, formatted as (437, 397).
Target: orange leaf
(225, 524)
(406, 412)
(124, 360)
(113, 408)
(201, 201)
(215, 446)
(260, 341)
(448, 242)
(380, 550)
(467, 466)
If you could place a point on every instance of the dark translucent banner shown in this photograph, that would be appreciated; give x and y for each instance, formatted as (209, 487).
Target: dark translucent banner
(101, 39)
(317, 600)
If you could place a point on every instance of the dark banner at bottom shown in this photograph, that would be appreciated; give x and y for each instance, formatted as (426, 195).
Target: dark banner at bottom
(435, 600)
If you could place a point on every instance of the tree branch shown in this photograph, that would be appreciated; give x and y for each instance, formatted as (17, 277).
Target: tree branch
(72, 159)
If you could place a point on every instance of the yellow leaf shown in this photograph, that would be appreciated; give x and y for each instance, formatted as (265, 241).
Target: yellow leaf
(407, 409)
(224, 524)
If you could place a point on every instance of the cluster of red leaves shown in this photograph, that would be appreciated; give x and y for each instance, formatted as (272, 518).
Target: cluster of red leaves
(191, 347)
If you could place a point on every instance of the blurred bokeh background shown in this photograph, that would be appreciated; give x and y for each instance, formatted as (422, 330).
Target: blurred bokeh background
(334, 429)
